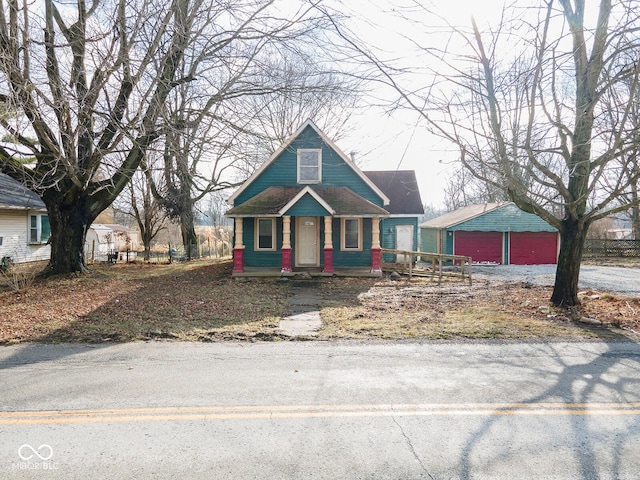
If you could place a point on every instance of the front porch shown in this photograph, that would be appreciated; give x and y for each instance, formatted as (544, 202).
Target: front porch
(324, 245)
(314, 272)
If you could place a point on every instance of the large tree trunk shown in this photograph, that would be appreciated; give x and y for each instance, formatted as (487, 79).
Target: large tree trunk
(635, 212)
(572, 237)
(69, 223)
(635, 222)
(146, 225)
(146, 242)
(188, 230)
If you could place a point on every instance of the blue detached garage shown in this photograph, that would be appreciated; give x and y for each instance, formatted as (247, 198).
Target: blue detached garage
(497, 233)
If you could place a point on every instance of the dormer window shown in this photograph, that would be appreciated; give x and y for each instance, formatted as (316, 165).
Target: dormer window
(309, 165)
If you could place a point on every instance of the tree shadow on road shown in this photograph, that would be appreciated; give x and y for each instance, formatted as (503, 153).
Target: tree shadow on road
(36, 353)
(574, 387)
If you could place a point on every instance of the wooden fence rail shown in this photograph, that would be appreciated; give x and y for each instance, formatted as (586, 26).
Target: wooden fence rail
(435, 262)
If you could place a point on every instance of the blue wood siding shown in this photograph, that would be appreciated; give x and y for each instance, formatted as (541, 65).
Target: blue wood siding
(505, 219)
(282, 172)
(436, 240)
(505, 249)
(447, 242)
(253, 258)
(429, 240)
(351, 259)
(307, 206)
(388, 234)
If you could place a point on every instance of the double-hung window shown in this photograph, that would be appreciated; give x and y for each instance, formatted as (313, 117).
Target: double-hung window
(39, 229)
(265, 234)
(351, 238)
(309, 165)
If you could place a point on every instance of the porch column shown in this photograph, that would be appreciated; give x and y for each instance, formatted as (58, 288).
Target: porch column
(286, 244)
(376, 251)
(238, 248)
(328, 245)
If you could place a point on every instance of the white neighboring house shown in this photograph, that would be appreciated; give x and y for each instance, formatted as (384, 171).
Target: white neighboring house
(99, 243)
(620, 234)
(24, 223)
(111, 239)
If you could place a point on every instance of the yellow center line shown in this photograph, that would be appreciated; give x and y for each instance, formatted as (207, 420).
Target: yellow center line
(257, 412)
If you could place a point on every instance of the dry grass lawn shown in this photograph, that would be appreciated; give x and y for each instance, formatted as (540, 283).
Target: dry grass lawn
(199, 301)
(486, 310)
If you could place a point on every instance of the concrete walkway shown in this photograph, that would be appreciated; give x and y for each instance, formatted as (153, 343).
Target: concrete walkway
(303, 318)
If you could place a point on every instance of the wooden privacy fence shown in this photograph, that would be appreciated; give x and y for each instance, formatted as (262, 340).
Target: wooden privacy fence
(603, 247)
(432, 264)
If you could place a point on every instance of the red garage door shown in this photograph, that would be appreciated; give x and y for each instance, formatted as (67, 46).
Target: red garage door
(480, 246)
(533, 248)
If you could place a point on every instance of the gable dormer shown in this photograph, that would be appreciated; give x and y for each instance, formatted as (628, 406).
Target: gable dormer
(308, 158)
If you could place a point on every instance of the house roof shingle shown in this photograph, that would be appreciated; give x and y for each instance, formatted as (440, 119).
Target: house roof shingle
(401, 187)
(461, 215)
(15, 196)
(342, 200)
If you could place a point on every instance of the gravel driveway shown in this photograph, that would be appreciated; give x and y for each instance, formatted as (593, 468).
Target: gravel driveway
(608, 279)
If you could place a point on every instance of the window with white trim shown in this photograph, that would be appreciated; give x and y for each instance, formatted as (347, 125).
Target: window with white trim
(351, 238)
(39, 229)
(265, 229)
(309, 165)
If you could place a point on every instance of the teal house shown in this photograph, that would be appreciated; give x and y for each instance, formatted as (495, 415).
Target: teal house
(309, 207)
(498, 233)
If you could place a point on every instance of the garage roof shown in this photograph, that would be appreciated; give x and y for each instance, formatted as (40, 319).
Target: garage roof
(490, 217)
(461, 215)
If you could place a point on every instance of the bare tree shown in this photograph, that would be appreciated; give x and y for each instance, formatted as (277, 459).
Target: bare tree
(239, 127)
(631, 166)
(540, 108)
(635, 209)
(570, 149)
(463, 188)
(309, 91)
(90, 81)
(143, 209)
(212, 209)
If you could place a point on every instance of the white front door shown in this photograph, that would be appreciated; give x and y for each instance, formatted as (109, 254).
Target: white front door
(404, 240)
(307, 241)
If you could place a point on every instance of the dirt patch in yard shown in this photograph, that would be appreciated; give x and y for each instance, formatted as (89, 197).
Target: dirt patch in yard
(199, 301)
(488, 309)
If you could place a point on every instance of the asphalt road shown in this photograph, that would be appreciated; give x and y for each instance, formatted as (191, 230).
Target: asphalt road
(313, 410)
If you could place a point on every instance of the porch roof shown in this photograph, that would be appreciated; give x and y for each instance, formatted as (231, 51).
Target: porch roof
(336, 201)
